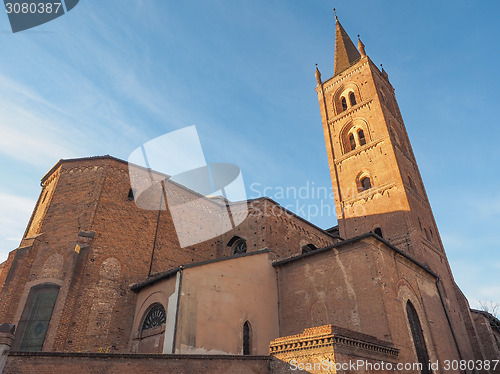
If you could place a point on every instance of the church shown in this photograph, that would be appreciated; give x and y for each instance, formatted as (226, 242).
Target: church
(98, 284)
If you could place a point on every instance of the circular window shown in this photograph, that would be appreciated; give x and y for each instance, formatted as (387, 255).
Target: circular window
(240, 247)
(155, 317)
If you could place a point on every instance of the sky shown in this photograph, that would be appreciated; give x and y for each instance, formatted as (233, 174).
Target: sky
(111, 75)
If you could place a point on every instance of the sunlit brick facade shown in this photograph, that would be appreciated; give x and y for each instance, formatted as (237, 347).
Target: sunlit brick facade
(99, 284)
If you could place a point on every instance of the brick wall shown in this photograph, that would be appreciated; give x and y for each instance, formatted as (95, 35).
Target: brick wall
(49, 363)
(363, 285)
(88, 237)
(396, 202)
(489, 337)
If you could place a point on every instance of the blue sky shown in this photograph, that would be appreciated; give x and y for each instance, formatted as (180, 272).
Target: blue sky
(111, 75)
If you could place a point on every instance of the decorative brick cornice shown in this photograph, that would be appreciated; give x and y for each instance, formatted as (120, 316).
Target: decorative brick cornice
(334, 81)
(84, 168)
(52, 177)
(358, 150)
(324, 336)
(349, 111)
(369, 194)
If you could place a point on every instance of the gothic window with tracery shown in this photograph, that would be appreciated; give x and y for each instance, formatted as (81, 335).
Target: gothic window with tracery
(36, 317)
(238, 245)
(155, 317)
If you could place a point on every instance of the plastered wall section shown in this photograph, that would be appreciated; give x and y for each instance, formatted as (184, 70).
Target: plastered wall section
(153, 340)
(217, 298)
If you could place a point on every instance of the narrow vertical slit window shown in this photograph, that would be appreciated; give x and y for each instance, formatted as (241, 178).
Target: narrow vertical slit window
(247, 339)
(410, 181)
(427, 236)
(418, 338)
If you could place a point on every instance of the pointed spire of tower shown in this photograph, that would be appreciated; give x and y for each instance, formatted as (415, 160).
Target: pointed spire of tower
(345, 51)
(361, 47)
(384, 73)
(318, 75)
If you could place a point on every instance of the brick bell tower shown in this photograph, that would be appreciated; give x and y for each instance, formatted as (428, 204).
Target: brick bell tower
(375, 177)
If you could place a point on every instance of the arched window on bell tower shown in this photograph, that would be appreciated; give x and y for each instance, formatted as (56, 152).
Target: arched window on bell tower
(352, 142)
(418, 338)
(352, 99)
(345, 97)
(361, 137)
(344, 103)
(365, 183)
(354, 134)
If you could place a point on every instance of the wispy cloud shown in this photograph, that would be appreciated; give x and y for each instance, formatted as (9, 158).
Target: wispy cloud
(29, 137)
(486, 208)
(490, 293)
(16, 211)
